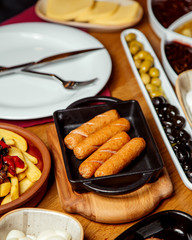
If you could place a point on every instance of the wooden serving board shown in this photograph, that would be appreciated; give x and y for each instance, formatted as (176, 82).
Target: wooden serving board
(106, 209)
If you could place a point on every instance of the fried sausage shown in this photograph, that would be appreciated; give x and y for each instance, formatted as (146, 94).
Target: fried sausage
(96, 139)
(95, 160)
(122, 158)
(80, 133)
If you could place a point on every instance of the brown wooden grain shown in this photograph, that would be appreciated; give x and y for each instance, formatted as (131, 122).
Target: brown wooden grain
(123, 85)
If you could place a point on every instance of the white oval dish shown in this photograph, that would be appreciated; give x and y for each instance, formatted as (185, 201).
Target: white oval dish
(33, 221)
(168, 90)
(169, 37)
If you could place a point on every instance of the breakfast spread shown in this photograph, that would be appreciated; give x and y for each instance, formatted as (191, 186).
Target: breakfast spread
(103, 145)
(19, 170)
(44, 235)
(179, 56)
(96, 12)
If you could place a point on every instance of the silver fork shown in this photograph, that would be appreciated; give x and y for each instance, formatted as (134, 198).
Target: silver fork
(70, 84)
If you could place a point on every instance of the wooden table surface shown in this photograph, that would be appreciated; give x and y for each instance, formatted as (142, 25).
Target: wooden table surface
(123, 85)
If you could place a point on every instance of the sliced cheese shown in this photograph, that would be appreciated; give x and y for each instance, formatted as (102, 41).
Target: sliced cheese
(125, 14)
(66, 9)
(98, 10)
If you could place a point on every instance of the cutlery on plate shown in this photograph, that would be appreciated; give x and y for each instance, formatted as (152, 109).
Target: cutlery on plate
(46, 60)
(67, 84)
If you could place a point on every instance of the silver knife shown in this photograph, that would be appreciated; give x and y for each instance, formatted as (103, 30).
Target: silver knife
(43, 61)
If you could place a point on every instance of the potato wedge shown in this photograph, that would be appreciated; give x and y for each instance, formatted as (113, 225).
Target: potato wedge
(13, 151)
(30, 157)
(6, 199)
(14, 188)
(20, 142)
(10, 142)
(24, 185)
(32, 172)
(21, 176)
(5, 189)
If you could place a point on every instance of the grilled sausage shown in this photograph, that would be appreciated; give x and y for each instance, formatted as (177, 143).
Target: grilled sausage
(95, 160)
(96, 139)
(79, 134)
(122, 158)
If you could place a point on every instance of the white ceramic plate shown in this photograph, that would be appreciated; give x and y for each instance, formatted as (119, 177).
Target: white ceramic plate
(30, 97)
(168, 90)
(40, 9)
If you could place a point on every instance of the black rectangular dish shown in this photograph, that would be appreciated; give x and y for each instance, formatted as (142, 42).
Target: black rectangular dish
(145, 168)
(165, 225)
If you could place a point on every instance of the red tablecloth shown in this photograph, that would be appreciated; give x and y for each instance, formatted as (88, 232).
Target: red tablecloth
(29, 15)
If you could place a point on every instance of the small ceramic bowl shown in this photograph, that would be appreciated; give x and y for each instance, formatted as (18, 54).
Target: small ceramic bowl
(37, 148)
(171, 36)
(183, 86)
(32, 221)
(180, 21)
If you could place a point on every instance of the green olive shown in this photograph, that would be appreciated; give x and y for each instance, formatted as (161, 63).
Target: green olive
(149, 57)
(151, 88)
(156, 82)
(154, 72)
(145, 66)
(156, 93)
(135, 42)
(130, 37)
(141, 54)
(138, 63)
(134, 49)
(145, 78)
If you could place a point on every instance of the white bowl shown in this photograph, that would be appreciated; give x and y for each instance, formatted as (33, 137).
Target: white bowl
(169, 37)
(180, 21)
(155, 24)
(32, 221)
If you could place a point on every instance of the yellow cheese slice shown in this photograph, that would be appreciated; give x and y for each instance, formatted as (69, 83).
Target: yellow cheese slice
(98, 10)
(66, 9)
(125, 14)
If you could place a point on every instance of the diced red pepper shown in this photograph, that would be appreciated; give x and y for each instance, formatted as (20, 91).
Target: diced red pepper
(9, 161)
(18, 162)
(4, 145)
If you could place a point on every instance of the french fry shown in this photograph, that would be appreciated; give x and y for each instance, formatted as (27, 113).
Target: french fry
(13, 151)
(24, 185)
(14, 188)
(20, 142)
(21, 176)
(6, 199)
(32, 172)
(30, 157)
(5, 189)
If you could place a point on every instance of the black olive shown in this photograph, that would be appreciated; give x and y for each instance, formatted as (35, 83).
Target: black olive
(189, 143)
(189, 174)
(158, 101)
(172, 111)
(179, 122)
(167, 123)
